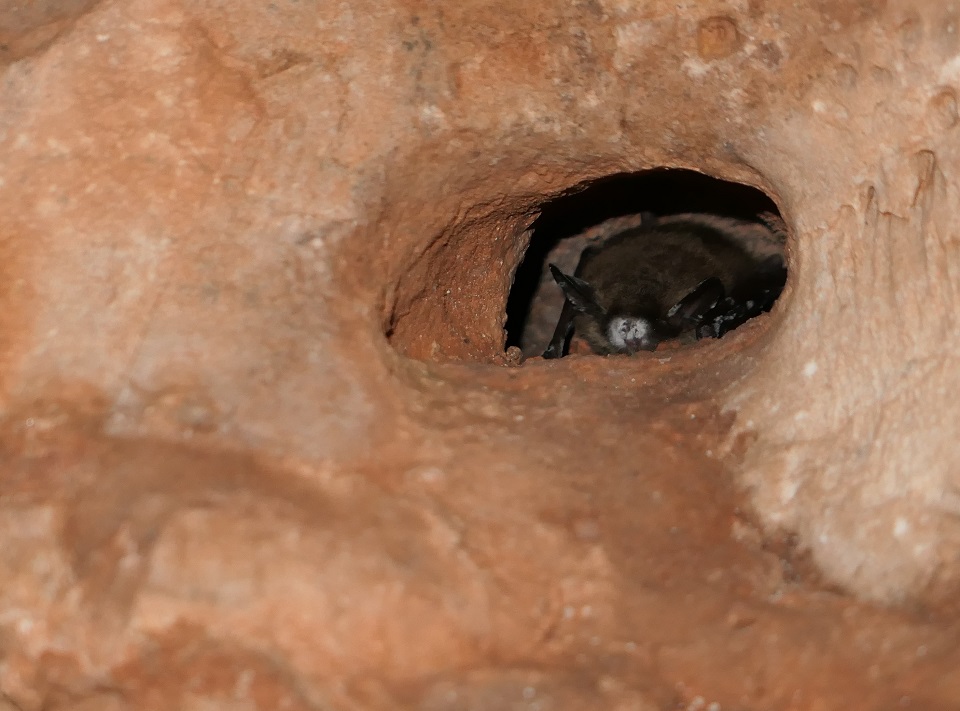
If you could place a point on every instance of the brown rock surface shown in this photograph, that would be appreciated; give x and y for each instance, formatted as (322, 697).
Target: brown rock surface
(224, 487)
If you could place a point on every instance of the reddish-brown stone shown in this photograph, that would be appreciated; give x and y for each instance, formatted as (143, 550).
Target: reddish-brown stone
(717, 37)
(261, 447)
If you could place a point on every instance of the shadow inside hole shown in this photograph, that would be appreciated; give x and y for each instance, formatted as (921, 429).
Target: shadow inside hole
(568, 222)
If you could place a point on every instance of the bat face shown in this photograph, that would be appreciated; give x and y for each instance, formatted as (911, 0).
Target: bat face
(658, 282)
(634, 324)
(629, 334)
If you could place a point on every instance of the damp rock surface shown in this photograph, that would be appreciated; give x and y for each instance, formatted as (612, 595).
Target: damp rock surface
(261, 444)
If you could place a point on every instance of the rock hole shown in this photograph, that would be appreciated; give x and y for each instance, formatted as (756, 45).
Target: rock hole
(590, 214)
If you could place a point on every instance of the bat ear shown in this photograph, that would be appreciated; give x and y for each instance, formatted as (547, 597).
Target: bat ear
(579, 293)
(690, 310)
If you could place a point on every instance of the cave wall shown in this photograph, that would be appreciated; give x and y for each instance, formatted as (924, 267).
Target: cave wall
(213, 214)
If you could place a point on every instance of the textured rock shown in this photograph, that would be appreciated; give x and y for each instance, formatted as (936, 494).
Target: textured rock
(259, 446)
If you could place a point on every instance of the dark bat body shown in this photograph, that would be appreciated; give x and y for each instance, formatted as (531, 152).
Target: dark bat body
(686, 275)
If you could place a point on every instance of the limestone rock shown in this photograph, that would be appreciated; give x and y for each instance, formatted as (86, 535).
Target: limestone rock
(260, 444)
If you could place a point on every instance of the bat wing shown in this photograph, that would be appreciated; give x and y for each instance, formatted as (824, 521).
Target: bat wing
(579, 293)
(691, 310)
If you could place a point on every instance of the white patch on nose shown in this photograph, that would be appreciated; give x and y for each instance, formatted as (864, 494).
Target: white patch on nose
(623, 330)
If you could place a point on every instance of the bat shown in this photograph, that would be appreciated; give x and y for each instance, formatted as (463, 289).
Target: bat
(685, 276)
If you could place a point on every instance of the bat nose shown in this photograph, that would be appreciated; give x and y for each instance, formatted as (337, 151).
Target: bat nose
(641, 344)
